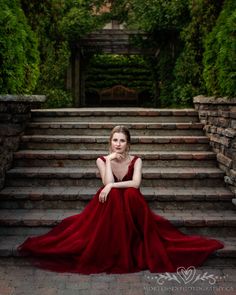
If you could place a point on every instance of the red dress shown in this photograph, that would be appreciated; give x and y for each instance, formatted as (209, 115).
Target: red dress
(121, 235)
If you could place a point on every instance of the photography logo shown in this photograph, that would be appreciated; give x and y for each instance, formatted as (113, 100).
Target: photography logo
(186, 279)
(185, 275)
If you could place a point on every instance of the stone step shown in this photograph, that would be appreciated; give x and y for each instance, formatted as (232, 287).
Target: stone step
(139, 143)
(115, 114)
(56, 176)
(217, 222)
(88, 128)
(75, 197)
(84, 158)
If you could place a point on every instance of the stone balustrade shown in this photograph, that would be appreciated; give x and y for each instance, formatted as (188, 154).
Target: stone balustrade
(219, 118)
(14, 115)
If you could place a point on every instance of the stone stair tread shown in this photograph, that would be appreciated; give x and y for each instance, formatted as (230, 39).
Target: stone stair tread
(114, 111)
(51, 217)
(92, 125)
(163, 193)
(93, 154)
(93, 138)
(148, 172)
(9, 244)
(186, 188)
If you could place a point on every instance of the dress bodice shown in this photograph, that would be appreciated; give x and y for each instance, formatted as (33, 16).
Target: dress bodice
(130, 170)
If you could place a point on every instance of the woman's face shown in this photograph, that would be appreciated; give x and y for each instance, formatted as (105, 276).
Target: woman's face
(119, 143)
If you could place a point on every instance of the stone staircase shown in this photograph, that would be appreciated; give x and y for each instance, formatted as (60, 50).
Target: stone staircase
(54, 174)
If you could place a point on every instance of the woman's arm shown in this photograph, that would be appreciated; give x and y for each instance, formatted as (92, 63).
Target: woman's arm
(135, 182)
(105, 167)
(105, 171)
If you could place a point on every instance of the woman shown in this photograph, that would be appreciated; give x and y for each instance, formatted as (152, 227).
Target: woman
(117, 232)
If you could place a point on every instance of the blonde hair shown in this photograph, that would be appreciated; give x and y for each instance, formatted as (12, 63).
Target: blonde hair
(120, 129)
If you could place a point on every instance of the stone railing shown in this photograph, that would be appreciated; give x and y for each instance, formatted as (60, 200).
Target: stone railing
(14, 115)
(219, 118)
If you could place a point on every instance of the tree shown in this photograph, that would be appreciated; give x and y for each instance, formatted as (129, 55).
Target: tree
(58, 24)
(189, 66)
(19, 56)
(220, 54)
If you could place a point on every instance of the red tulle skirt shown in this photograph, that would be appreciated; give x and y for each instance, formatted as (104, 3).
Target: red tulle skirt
(121, 235)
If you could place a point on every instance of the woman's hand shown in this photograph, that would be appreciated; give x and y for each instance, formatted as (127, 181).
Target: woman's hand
(115, 155)
(104, 193)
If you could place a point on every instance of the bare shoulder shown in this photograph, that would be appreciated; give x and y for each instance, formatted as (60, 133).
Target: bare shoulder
(138, 160)
(100, 161)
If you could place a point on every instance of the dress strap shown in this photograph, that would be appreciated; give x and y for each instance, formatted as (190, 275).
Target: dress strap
(134, 160)
(103, 158)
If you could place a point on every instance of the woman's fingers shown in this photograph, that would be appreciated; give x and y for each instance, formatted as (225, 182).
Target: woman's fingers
(102, 197)
(104, 193)
(119, 156)
(115, 155)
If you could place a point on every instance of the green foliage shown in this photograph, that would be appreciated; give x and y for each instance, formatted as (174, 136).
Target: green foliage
(120, 61)
(180, 32)
(52, 79)
(220, 54)
(19, 56)
(79, 21)
(189, 66)
(106, 70)
(163, 21)
(58, 25)
(164, 75)
(58, 98)
(152, 15)
(177, 81)
(45, 18)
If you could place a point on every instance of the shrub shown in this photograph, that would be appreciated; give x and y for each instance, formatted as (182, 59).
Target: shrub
(188, 71)
(220, 54)
(19, 56)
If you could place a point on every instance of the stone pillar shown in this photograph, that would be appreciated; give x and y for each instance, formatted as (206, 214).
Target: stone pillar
(219, 118)
(15, 112)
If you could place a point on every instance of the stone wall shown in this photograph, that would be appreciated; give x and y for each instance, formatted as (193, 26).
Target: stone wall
(14, 115)
(219, 118)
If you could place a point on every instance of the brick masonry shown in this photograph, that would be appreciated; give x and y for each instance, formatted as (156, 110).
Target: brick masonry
(219, 118)
(15, 112)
